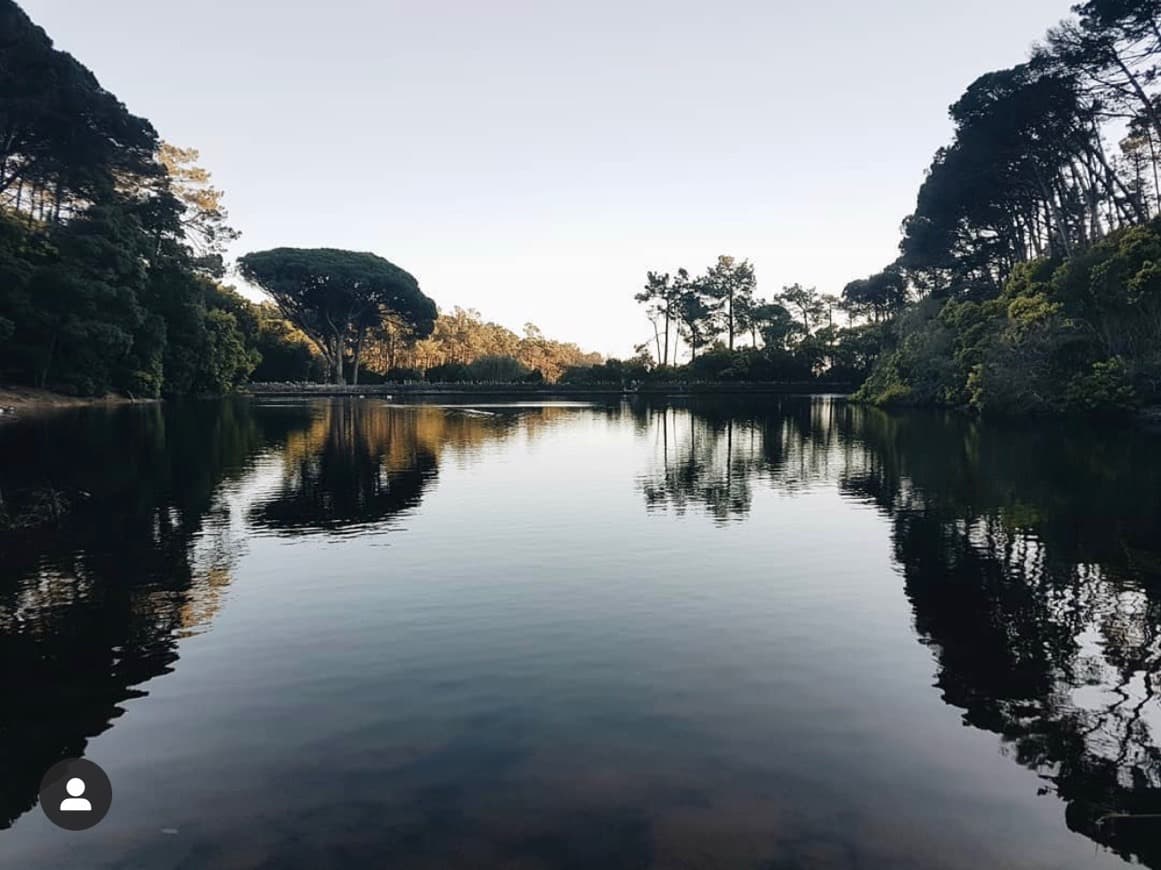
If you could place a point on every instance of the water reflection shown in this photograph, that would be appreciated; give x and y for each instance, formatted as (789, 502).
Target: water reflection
(713, 457)
(360, 464)
(1031, 557)
(103, 567)
(116, 540)
(354, 466)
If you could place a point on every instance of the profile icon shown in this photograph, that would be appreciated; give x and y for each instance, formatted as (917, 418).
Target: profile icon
(75, 794)
(74, 803)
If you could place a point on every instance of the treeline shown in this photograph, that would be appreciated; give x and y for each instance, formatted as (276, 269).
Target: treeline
(464, 347)
(1027, 277)
(1029, 267)
(714, 326)
(111, 241)
(112, 258)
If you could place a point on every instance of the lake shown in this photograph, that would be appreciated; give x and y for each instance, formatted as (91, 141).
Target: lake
(778, 633)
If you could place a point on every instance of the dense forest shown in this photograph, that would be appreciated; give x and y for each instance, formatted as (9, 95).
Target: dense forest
(113, 249)
(1028, 276)
(111, 241)
(1026, 280)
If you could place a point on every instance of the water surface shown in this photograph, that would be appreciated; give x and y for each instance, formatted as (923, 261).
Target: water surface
(777, 634)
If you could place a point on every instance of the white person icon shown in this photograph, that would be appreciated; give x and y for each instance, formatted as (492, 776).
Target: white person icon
(74, 803)
(75, 794)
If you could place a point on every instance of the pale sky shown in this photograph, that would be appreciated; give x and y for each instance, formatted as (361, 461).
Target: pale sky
(533, 160)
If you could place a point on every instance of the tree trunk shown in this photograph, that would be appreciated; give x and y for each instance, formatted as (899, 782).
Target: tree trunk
(730, 316)
(338, 358)
(1112, 182)
(665, 353)
(1156, 178)
(358, 353)
(1054, 212)
(1135, 84)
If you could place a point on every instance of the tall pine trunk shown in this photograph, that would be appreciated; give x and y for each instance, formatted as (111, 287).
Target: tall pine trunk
(665, 354)
(730, 316)
(358, 353)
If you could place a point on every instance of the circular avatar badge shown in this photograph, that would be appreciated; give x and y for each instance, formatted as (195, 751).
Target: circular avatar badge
(75, 794)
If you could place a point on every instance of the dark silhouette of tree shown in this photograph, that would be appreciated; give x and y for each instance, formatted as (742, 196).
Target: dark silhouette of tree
(66, 142)
(695, 314)
(335, 296)
(730, 285)
(879, 296)
(661, 300)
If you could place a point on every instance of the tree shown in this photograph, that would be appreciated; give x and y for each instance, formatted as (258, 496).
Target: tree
(805, 302)
(730, 285)
(204, 214)
(878, 296)
(65, 140)
(695, 316)
(1113, 46)
(775, 324)
(659, 295)
(335, 296)
(285, 353)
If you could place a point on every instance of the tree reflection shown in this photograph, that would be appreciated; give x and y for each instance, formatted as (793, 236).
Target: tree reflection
(355, 465)
(1031, 559)
(94, 594)
(116, 539)
(1031, 556)
(711, 459)
(358, 465)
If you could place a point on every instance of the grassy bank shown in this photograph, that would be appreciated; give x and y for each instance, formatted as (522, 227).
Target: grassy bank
(17, 399)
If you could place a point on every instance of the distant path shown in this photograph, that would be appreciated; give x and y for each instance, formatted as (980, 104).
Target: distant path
(545, 390)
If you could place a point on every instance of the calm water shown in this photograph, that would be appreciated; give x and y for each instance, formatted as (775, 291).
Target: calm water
(777, 635)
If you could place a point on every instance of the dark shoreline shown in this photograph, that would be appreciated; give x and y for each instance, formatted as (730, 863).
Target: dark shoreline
(546, 390)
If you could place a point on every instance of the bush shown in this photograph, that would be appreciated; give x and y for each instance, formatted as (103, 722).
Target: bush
(497, 369)
(448, 373)
(403, 375)
(1104, 389)
(1079, 336)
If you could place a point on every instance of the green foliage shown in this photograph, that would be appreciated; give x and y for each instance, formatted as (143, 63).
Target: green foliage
(286, 354)
(228, 362)
(1105, 388)
(733, 335)
(66, 139)
(612, 372)
(336, 296)
(101, 288)
(1038, 233)
(497, 369)
(449, 373)
(1079, 335)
